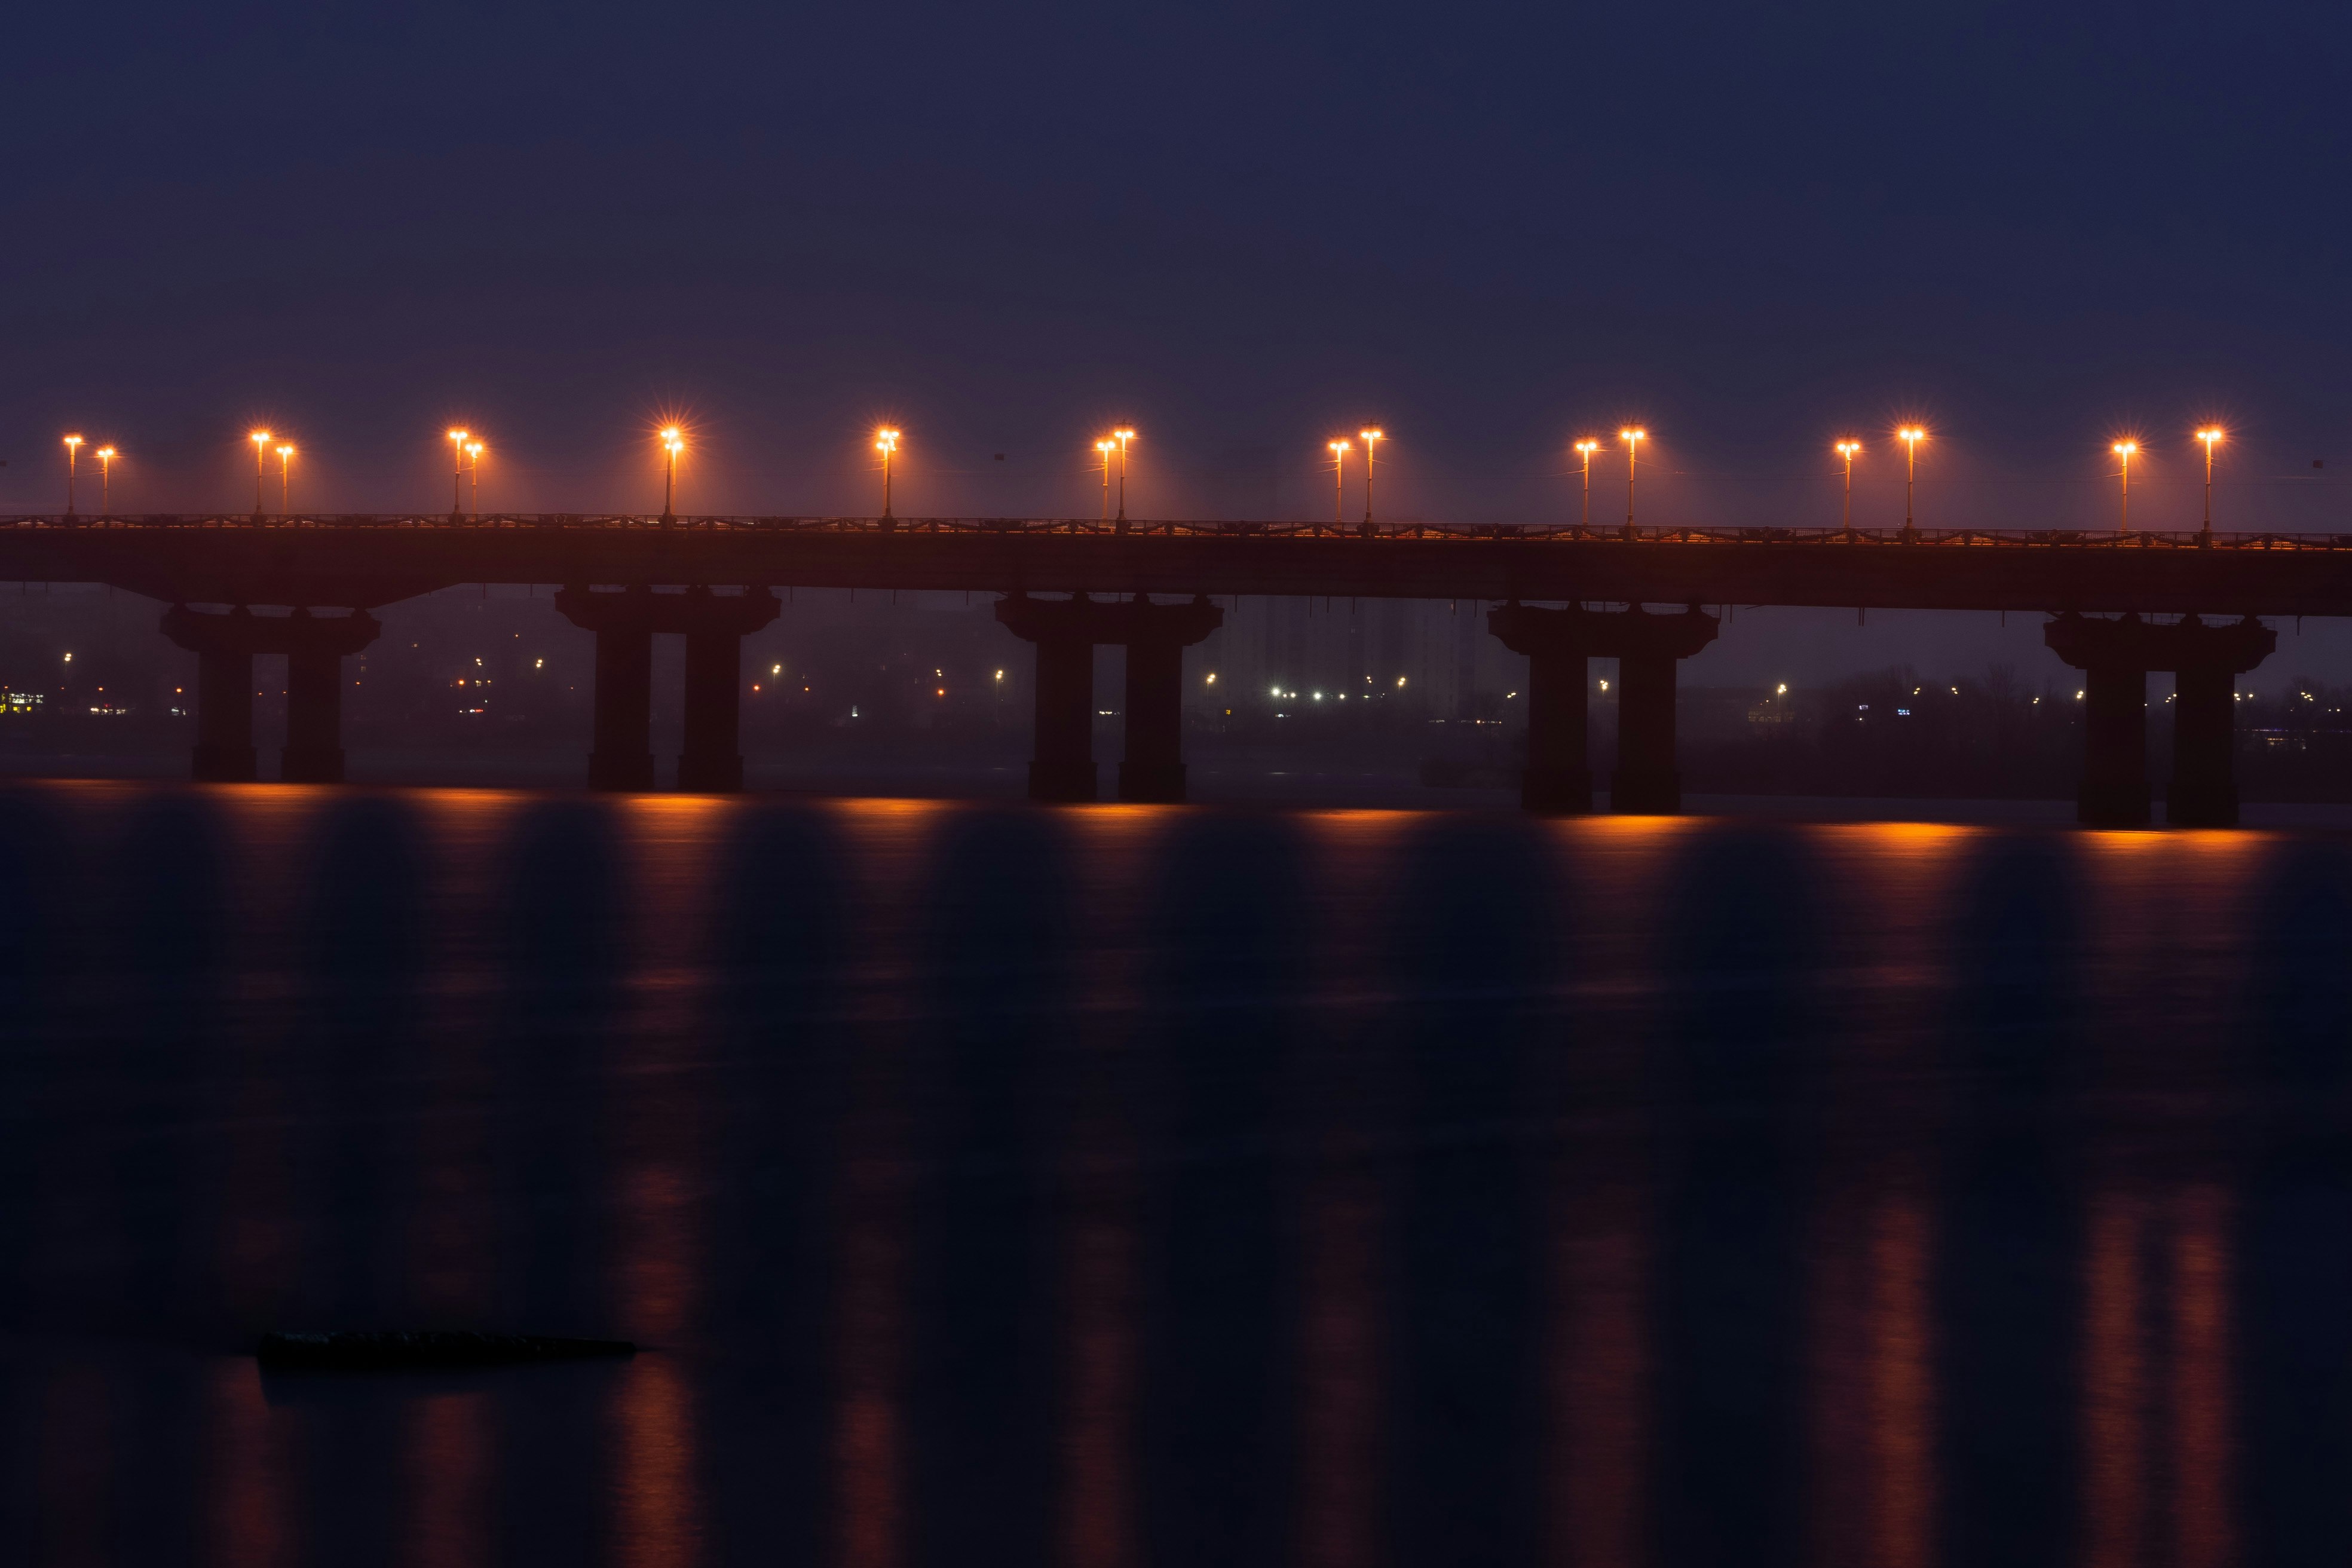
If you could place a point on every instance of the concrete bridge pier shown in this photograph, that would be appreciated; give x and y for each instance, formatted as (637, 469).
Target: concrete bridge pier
(1062, 760)
(315, 650)
(621, 754)
(710, 761)
(224, 644)
(1648, 647)
(1158, 634)
(2114, 657)
(1064, 632)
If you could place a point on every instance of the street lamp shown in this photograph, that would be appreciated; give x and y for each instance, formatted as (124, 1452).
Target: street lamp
(474, 476)
(673, 442)
(1633, 436)
(1910, 436)
(1373, 439)
(2125, 449)
(1846, 449)
(457, 440)
(260, 439)
(1122, 437)
(72, 443)
(886, 441)
(106, 456)
(1584, 517)
(1339, 483)
(1106, 446)
(2210, 435)
(285, 480)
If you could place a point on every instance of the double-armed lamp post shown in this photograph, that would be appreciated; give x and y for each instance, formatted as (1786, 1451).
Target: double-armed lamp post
(73, 444)
(886, 441)
(1585, 449)
(1371, 440)
(2210, 435)
(673, 443)
(1339, 483)
(105, 456)
(1846, 449)
(1122, 436)
(1910, 436)
(1633, 436)
(260, 439)
(285, 481)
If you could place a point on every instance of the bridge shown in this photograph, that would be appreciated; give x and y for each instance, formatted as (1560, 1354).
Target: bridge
(712, 579)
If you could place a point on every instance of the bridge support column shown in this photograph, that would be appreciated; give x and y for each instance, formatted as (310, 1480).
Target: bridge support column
(2113, 792)
(1157, 636)
(2114, 657)
(711, 759)
(1066, 632)
(1062, 765)
(1647, 780)
(1559, 777)
(2204, 788)
(621, 754)
(314, 648)
(314, 692)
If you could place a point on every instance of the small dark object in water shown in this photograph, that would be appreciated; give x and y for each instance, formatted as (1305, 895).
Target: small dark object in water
(424, 1351)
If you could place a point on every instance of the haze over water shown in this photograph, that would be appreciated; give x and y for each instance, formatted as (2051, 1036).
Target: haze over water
(1125, 1185)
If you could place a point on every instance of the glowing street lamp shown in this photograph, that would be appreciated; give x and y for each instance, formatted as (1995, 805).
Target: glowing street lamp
(1585, 449)
(2211, 434)
(1371, 440)
(886, 441)
(1846, 449)
(1633, 436)
(285, 480)
(457, 440)
(1910, 436)
(1339, 483)
(105, 456)
(1106, 446)
(2125, 449)
(260, 439)
(474, 476)
(72, 443)
(673, 442)
(1122, 437)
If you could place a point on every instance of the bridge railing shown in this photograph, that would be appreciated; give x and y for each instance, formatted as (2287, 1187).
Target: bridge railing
(1013, 527)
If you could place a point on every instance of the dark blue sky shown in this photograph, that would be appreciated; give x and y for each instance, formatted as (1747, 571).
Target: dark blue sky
(1243, 228)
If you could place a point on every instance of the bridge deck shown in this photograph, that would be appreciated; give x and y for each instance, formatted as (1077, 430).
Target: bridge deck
(366, 560)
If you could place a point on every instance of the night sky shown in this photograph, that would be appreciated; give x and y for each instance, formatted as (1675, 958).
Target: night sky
(1243, 229)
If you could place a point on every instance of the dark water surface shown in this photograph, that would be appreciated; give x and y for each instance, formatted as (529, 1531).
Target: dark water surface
(1141, 1186)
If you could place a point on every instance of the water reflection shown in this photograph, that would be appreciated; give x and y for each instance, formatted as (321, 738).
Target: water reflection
(1129, 1187)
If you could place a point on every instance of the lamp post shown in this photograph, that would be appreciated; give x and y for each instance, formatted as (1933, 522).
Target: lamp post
(886, 441)
(1339, 483)
(1122, 437)
(474, 476)
(673, 442)
(106, 456)
(1846, 449)
(1633, 436)
(1585, 449)
(1910, 436)
(260, 439)
(2125, 449)
(72, 443)
(457, 440)
(1371, 440)
(2211, 434)
(285, 480)
(1106, 446)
